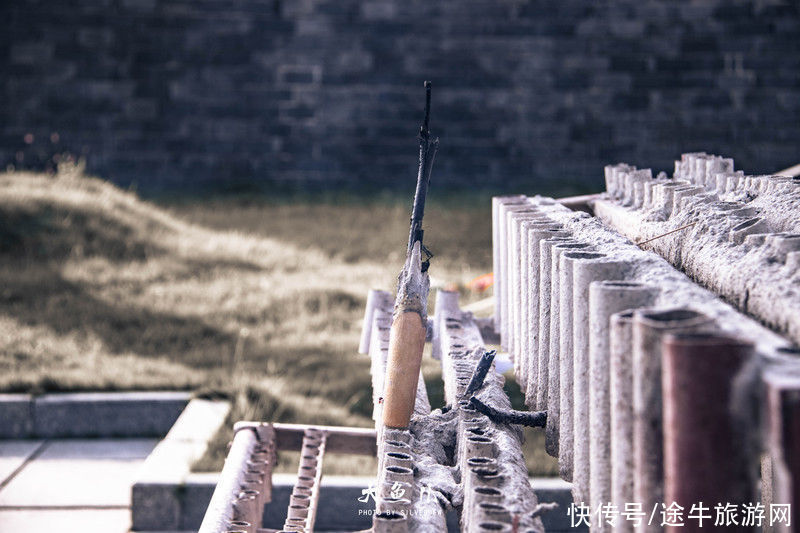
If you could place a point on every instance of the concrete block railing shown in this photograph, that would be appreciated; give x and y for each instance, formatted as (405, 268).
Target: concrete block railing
(494, 480)
(737, 235)
(248, 498)
(452, 465)
(646, 373)
(453, 460)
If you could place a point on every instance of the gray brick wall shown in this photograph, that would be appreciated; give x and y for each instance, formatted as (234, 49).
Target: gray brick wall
(327, 93)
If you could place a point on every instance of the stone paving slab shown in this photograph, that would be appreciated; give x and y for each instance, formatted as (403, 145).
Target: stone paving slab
(79, 473)
(47, 521)
(13, 455)
(84, 484)
(72, 483)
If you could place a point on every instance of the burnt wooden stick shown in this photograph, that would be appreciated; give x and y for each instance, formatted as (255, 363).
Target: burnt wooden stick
(427, 153)
(406, 342)
(478, 377)
(536, 419)
(408, 332)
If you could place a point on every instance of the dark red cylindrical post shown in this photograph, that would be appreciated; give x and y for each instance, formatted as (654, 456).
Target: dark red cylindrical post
(703, 456)
(783, 404)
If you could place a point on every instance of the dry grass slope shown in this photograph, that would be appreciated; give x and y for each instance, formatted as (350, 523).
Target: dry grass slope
(257, 301)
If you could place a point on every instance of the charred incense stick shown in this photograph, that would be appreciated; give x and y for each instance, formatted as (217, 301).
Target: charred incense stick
(427, 152)
(665, 234)
(407, 336)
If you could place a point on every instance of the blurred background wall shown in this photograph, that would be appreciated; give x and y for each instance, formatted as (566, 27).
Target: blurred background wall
(242, 94)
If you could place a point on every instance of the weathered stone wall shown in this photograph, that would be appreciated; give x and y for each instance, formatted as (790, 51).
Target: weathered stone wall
(229, 93)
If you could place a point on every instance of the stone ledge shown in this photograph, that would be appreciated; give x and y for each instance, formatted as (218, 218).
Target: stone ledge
(16, 416)
(165, 490)
(93, 414)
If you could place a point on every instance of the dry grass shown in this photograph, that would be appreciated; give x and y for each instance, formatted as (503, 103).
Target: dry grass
(256, 301)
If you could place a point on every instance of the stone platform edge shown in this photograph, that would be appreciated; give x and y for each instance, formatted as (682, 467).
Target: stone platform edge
(90, 414)
(164, 495)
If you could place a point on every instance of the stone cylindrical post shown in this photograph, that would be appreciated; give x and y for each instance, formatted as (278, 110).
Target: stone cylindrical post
(398, 459)
(559, 311)
(514, 214)
(610, 173)
(498, 250)
(567, 316)
(521, 222)
(649, 328)
(606, 298)
(663, 195)
(375, 298)
(621, 403)
(534, 231)
(638, 179)
(542, 322)
(587, 267)
(398, 473)
(502, 278)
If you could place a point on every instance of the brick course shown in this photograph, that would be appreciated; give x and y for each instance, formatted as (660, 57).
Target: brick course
(224, 94)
